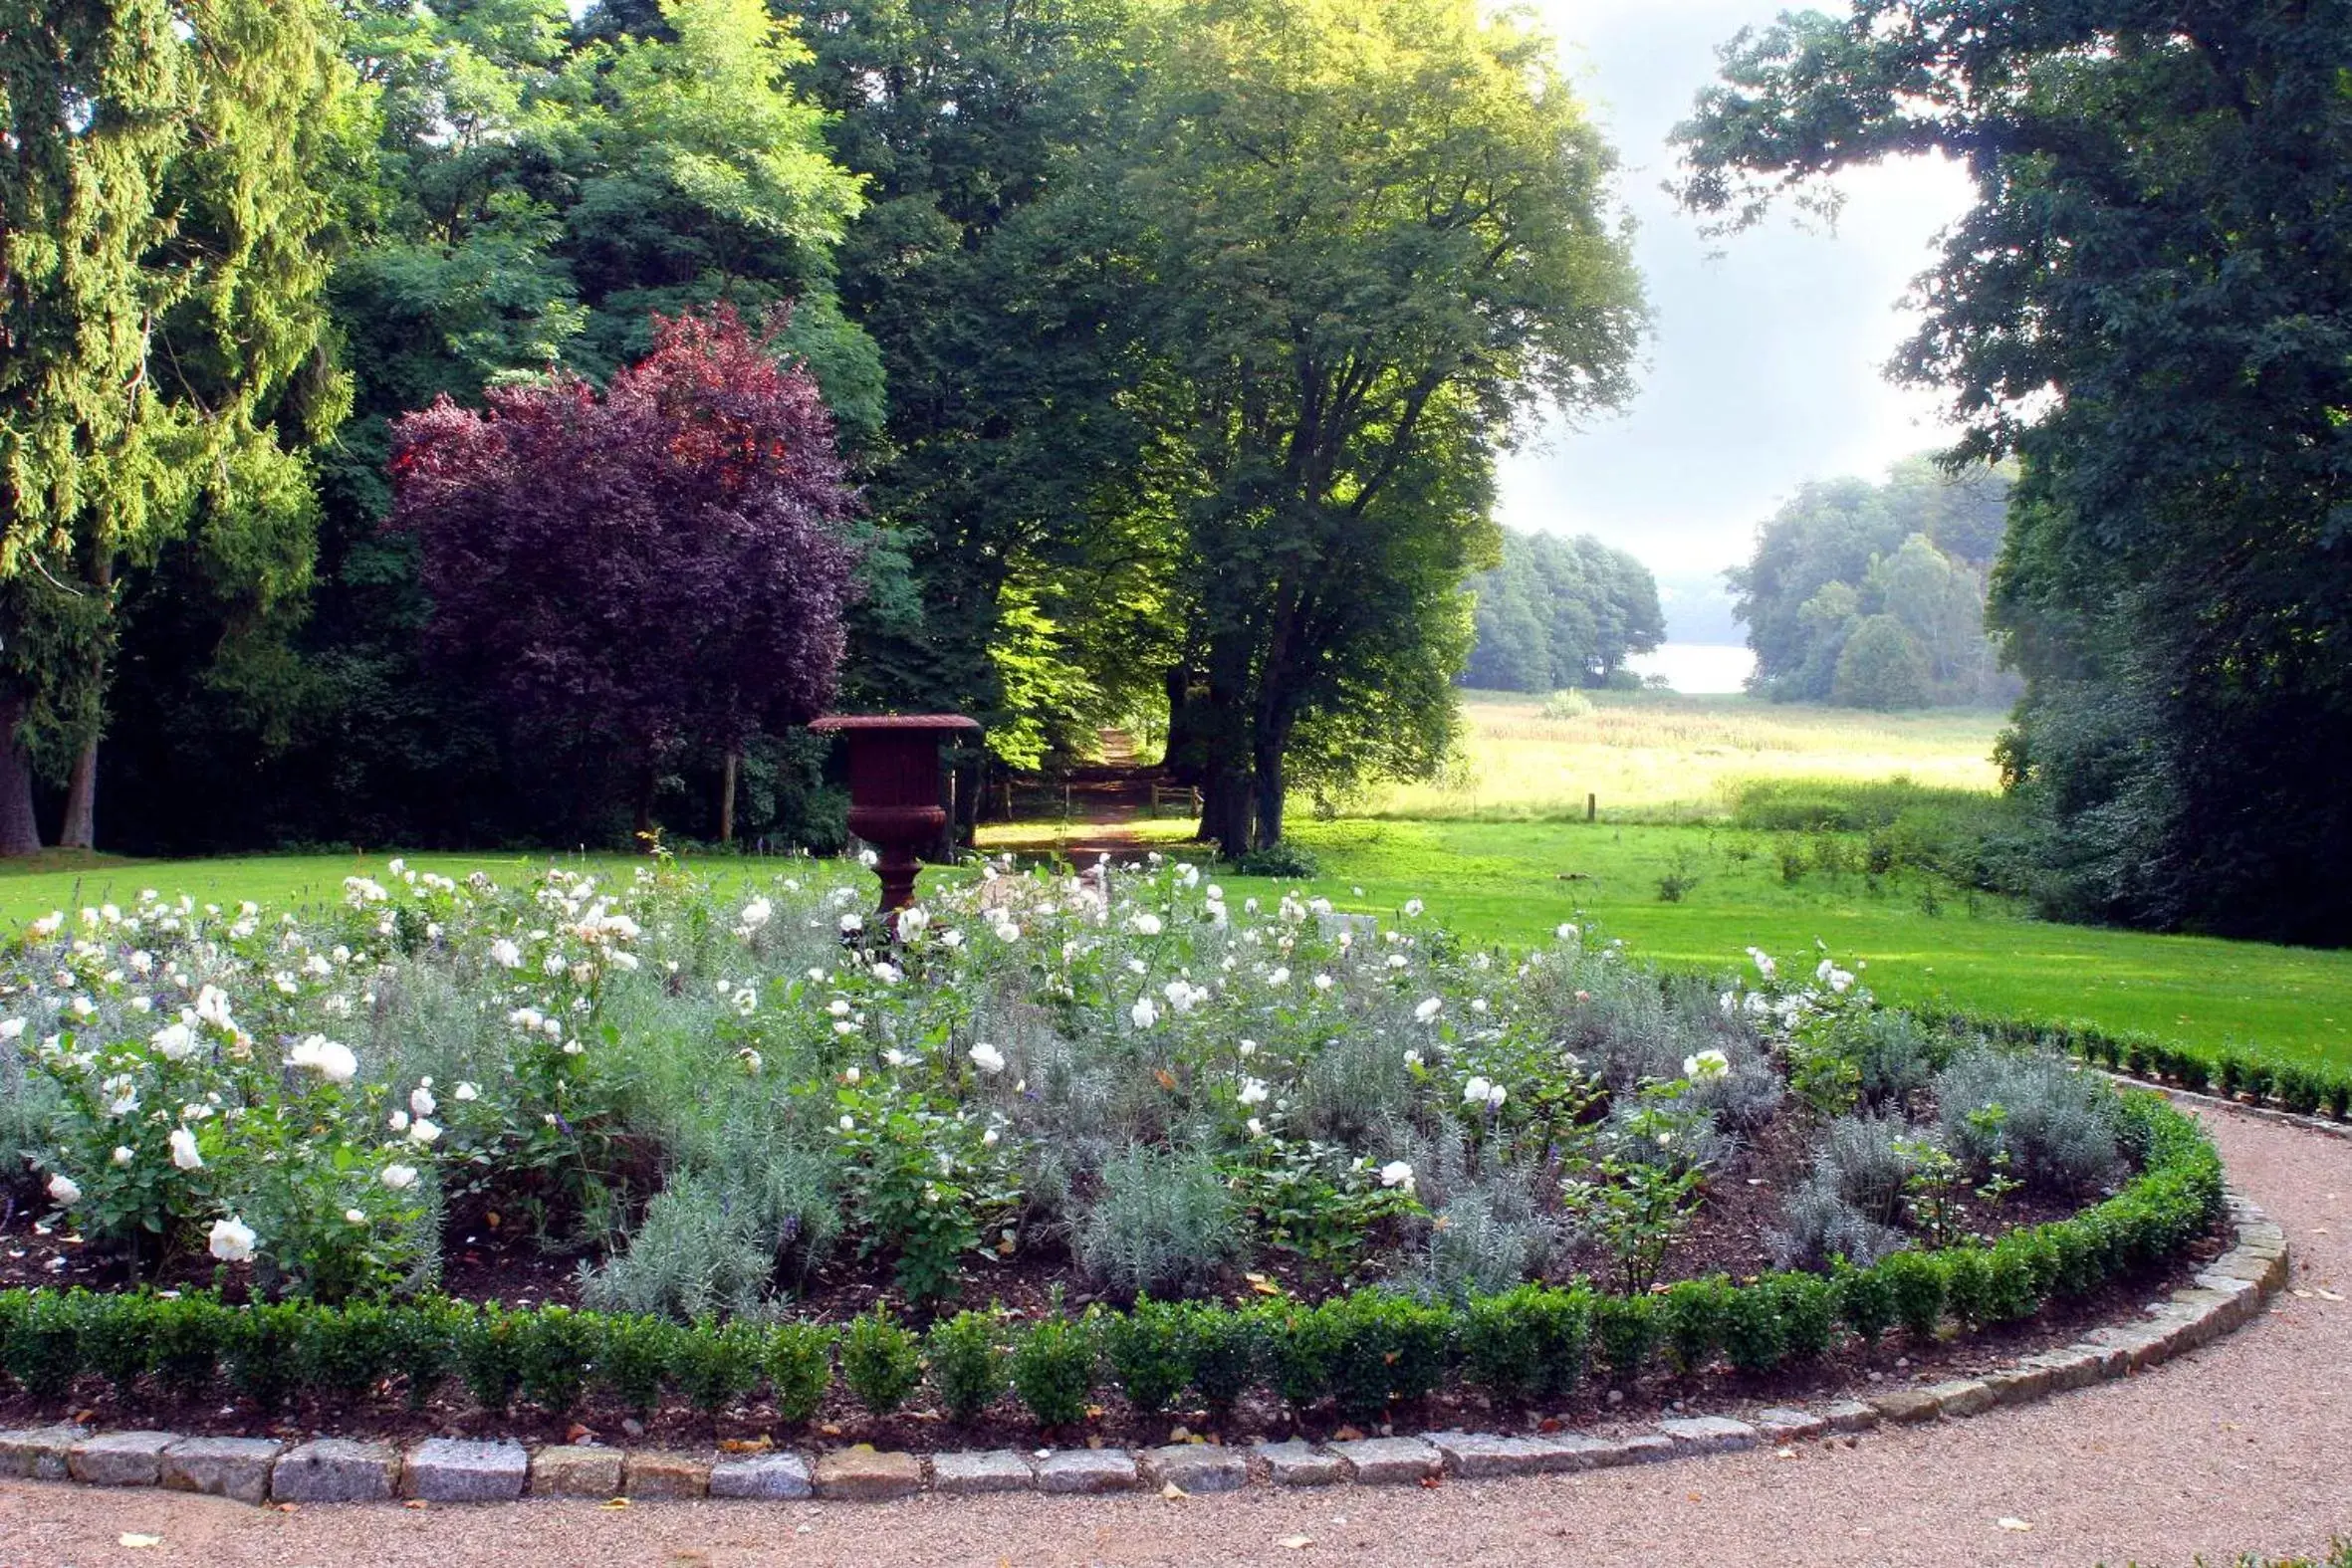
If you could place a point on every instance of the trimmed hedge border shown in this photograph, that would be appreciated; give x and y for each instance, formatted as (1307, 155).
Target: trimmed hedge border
(2234, 1077)
(331, 1469)
(1364, 1352)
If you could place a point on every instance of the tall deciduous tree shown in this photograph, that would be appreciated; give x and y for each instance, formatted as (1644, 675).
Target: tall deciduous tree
(161, 273)
(632, 573)
(2151, 303)
(1377, 234)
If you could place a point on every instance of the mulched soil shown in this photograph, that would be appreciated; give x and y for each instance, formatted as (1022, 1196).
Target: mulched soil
(488, 1259)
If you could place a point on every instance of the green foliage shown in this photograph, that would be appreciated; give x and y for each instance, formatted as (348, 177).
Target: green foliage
(1383, 1348)
(633, 1357)
(1527, 1343)
(1866, 1300)
(1872, 595)
(1560, 613)
(1916, 1280)
(555, 1348)
(801, 1367)
(718, 1363)
(1809, 1310)
(1694, 1311)
(261, 1346)
(968, 1365)
(1162, 1223)
(1754, 1331)
(113, 1339)
(1628, 1331)
(1054, 1366)
(1149, 1349)
(43, 1345)
(489, 1343)
(1224, 1350)
(2176, 778)
(347, 1353)
(880, 1362)
(1968, 1285)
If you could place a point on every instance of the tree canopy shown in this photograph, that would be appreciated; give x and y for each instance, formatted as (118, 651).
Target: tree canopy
(1561, 612)
(1910, 553)
(2149, 304)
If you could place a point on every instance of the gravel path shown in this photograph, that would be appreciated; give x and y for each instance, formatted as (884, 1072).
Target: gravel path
(2240, 1445)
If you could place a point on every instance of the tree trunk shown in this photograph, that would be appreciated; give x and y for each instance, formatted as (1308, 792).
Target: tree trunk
(1268, 787)
(19, 833)
(1222, 718)
(727, 797)
(1181, 757)
(79, 829)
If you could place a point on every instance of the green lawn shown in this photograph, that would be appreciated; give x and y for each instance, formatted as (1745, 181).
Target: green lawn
(1502, 882)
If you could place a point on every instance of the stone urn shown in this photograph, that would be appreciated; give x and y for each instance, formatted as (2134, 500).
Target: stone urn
(894, 791)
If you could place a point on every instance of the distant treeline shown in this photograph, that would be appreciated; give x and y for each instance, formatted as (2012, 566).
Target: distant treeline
(1561, 612)
(1873, 596)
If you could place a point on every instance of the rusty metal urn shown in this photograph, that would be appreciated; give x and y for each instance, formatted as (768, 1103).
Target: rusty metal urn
(894, 791)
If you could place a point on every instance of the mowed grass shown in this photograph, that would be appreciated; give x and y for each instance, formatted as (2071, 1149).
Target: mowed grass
(1664, 755)
(1513, 882)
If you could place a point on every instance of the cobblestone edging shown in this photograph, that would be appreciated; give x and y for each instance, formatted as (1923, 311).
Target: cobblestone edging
(447, 1469)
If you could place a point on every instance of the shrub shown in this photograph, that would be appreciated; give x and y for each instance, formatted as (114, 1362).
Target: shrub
(115, 1334)
(2338, 1096)
(424, 1345)
(1916, 1283)
(1287, 861)
(490, 1356)
(1867, 1161)
(2194, 1073)
(1809, 1313)
(1164, 1223)
(2018, 1270)
(2230, 1074)
(1054, 1367)
(1694, 1313)
(1296, 1342)
(1384, 1348)
(554, 1348)
(2055, 1126)
(1968, 1285)
(801, 1367)
(1223, 1348)
(1527, 1342)
(634, 1356)
(1866, 1300)
(2299, 1090)
(1755, 1335)
(43, 1344)
(1626, 1328)
(716, 1363)
(1818, 1226)
(880, 1362)
(190, 1336)
(967, 1362)
(2260, 1080)
(1150, 1351)
(261, 1345)
(348, 1351)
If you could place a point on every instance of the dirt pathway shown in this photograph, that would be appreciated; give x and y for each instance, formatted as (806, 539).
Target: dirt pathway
(1092, 811)
(2244, 1445)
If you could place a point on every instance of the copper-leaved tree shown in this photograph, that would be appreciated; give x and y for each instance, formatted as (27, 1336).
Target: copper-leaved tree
(636, 574)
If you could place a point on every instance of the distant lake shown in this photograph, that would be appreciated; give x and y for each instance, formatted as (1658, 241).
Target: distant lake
(1698, 668)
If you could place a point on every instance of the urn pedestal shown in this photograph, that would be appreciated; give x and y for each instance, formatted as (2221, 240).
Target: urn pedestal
(894, 791)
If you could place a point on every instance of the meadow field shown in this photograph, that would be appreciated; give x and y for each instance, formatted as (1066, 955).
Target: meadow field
(1656, 755)
(1666, 868)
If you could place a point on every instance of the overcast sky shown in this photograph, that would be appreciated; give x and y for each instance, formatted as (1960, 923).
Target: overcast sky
(1764, 368)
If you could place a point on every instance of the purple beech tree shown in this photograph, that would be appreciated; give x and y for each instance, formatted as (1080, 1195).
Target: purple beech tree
(631, 574)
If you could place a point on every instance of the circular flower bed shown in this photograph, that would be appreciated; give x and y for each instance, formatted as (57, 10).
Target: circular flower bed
(1114, 1137)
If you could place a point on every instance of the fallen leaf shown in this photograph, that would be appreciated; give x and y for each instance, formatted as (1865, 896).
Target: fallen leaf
(759, 1445)
(414, 1502)
(1297, 1543)
(615, 1503)
(2015, 1524)
(1172, 1491)
(576, 1432)
(2330, 1295)
(128, 1539)
(1432, 1482)
(1167, 1078)
(1784, 1453)
(1349, 1434)
(1548, 1423)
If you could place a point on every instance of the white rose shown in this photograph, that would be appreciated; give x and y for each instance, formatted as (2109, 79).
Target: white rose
(421, 1101)
(399, 1178)
(232, 1239)
(987, 1058)
(184, 1150)
(65, 1191)
(422, 1131)
(1397, 1173)
(1428, 1010)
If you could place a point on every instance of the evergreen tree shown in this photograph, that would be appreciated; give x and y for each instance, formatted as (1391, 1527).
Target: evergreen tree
(163, 183)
